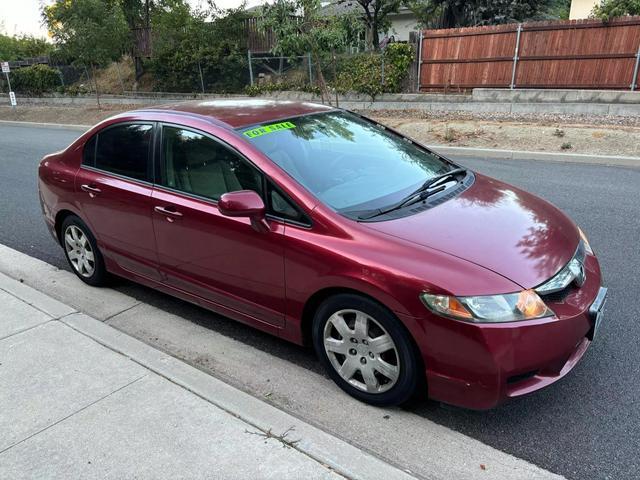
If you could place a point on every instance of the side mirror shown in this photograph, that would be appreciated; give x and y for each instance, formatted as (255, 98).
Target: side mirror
(244, 203)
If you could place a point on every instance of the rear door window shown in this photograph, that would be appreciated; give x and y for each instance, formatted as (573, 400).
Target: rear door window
(123, 150)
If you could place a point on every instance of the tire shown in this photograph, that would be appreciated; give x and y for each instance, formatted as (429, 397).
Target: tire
(81, 249)
(374, 358)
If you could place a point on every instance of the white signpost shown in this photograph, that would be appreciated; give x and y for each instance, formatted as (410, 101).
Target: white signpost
(12, 95)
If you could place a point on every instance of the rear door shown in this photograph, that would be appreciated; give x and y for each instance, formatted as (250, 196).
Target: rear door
(220, 259)
(115, 183)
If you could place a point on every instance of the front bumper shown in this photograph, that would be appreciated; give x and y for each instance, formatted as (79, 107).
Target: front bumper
(480, 366)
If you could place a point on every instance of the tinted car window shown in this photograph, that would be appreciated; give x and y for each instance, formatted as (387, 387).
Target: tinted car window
(124, 150)
(197, 164)
(281, 206)
(349, 163)
(89, 153)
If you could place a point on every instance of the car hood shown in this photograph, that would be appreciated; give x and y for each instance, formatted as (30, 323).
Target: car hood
(497, 226)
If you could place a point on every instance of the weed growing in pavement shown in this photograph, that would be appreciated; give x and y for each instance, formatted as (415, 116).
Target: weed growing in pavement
(450, 135)
(566, 146)
(559, 133)
(281, 438)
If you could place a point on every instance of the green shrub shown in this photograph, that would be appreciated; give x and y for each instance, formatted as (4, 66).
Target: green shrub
(363, 73)
(398, 59)
(360, 74)
(35, 80)
(191, 51)
(223, 70)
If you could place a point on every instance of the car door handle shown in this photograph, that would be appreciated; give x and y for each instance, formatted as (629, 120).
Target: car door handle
(92, 190)
(169, 211)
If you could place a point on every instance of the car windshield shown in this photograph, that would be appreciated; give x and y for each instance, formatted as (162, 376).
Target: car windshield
(351, 164)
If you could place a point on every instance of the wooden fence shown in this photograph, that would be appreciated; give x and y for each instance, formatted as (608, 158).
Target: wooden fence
(256, 39)
(567, 54)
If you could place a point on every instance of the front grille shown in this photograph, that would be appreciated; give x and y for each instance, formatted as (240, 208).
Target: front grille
(558, 297)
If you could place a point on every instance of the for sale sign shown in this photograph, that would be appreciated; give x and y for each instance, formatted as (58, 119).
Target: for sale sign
(12, 97)
(5, 67)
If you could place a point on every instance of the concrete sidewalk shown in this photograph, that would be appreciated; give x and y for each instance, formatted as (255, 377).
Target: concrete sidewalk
(79, 399)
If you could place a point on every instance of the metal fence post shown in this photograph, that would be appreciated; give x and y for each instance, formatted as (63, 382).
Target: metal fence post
(120, 77)
(515, 58)
(634, 82)
(201, 77)
(86, 72)
(419, 62)
(382, 70)
(310, 71)
(250, 67)
(13, 107)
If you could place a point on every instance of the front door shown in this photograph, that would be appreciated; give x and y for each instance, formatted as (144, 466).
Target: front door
(220, 259)
(114, 187)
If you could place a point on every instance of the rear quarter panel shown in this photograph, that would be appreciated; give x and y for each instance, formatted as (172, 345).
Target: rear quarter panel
(56, 185)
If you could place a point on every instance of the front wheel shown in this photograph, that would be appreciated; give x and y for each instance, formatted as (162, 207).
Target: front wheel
(366, 350)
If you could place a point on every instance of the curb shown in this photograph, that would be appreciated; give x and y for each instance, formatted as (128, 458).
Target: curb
(330, 451)
(578, 102)
(61, 126)
(491, 153)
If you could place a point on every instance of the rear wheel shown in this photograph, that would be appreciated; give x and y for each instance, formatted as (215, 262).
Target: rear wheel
(81, 249)
(366, 350)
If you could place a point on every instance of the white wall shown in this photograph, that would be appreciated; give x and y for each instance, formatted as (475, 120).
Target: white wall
(401, 25)
(582, 8)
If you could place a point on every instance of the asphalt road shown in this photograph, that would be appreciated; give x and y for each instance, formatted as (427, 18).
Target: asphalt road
(585, 426)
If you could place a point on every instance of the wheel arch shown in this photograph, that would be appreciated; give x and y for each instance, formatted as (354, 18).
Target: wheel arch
(60, 217)
(314, 301)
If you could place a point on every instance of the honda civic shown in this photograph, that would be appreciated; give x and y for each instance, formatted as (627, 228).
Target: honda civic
(405, 271)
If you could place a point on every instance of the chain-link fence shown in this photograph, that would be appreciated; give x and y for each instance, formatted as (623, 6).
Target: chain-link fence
(352, 70)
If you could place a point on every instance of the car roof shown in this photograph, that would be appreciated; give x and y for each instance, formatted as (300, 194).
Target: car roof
(243, 112)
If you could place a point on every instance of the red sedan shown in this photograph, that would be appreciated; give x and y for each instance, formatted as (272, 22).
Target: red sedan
(404, 270)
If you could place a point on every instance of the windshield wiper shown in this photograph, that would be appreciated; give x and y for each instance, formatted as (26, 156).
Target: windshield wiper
(418, 195)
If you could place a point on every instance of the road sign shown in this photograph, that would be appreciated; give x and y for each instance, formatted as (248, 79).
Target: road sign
(5, 67)
(12, 97)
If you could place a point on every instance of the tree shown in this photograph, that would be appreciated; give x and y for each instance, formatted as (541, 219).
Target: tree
(375, 15)
(92, 32)
(20, 47)
(616, 8)
(558, 9)
(198, 49)
(137, 15)
(299, 28)
(463, 13)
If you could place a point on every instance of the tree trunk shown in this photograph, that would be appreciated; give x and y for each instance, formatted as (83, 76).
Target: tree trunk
(95, 82)
(375, 36)
(368, 33)
(324, 91)
(138, 66)
(335, 74)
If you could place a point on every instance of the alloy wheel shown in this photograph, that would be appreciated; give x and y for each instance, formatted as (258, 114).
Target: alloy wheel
(79, 251)
(361, 351)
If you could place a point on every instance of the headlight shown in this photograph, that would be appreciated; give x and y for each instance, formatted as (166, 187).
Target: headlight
(587, 247)
(524, 305)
